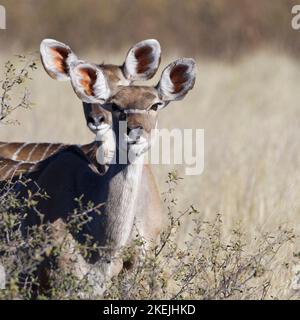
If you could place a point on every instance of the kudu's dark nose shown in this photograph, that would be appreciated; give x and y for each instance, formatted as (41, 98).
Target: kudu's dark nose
(137, 131)
(96, 120)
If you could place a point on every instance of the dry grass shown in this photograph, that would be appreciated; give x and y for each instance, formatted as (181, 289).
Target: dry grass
(251, 116)
(227, 28)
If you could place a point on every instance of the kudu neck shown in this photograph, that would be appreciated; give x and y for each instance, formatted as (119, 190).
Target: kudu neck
(101, 152)
(120, 186)
(122, 182)
(120, 207)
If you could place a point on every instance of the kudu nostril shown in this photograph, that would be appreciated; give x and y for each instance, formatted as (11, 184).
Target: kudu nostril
(100, 119)
(96, 120)
(136, 129)
(136, 132)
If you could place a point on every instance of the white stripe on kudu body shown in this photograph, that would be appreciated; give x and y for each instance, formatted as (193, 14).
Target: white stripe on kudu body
(16, 151)
(15, 156)
(45, 154)
(35, 146)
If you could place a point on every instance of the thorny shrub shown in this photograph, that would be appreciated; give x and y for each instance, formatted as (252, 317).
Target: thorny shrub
(14, 93)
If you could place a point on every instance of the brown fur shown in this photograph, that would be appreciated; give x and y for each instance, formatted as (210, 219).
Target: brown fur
(10, 169)
(146, 210)
(38, 151)
(135, 97)
(60, 55)
(89, 78)
(7, 150)
(178, 77)
(144, 58)
(41, 151)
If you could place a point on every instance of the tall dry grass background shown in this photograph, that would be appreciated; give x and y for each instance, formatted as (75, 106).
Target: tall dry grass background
(249, 108)
(250, 113)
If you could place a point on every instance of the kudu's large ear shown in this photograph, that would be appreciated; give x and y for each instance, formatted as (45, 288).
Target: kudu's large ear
(142, 60)
(177, 79)
(89, 83)
(57, 58)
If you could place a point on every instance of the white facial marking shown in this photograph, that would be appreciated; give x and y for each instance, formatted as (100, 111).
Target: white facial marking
(105, 154)
(131, 111)
(100, 130)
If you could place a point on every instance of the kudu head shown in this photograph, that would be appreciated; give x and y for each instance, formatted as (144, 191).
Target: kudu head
(137, 107)
(94, 84)
(133, 110)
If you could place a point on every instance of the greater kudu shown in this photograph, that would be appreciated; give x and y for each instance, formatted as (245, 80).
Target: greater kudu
(124, 189)
(93, 84)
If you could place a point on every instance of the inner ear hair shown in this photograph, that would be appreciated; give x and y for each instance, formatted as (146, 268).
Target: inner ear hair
(177, 79)
(89, 83)
(60, 55)
(56, 58)
(89, 77)
(142, 60)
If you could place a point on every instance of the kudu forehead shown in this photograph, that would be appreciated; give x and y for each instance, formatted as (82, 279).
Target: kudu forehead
(133, 97)
(96, 109)
(114, 75)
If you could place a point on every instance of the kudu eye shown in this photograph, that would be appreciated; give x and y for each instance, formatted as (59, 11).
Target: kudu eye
(115, 107)
(122, 116)
(156, 106)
